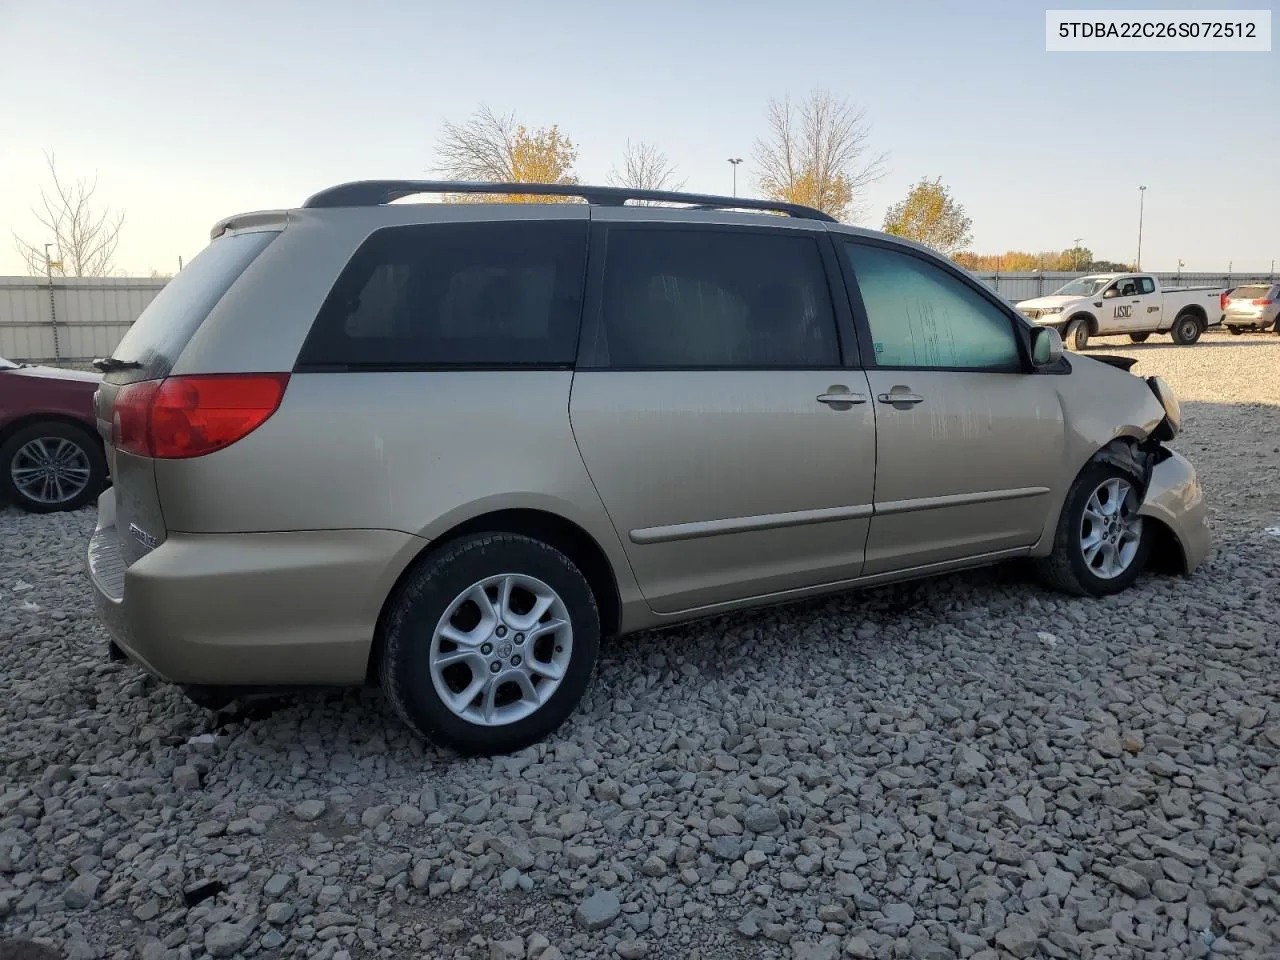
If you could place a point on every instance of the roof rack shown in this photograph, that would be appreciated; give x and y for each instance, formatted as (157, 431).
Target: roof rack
(371, 193)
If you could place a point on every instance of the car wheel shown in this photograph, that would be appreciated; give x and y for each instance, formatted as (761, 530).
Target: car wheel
(490, 644)
(1186, 329)
(51, 466)
(1077, 337)
(1139, 337)
(1235, 331)
(1101, 544)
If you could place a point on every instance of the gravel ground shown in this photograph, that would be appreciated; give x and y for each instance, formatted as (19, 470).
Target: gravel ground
(970, 766)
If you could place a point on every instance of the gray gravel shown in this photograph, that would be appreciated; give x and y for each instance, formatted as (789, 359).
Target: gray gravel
(966, 767)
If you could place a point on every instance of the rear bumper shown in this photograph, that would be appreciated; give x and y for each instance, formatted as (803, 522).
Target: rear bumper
(252, 609)
(1258, 320)
(1175, 499)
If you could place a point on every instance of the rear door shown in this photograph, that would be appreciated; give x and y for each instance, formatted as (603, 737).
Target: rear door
(968, 440)
(148, 352)
(732, 445)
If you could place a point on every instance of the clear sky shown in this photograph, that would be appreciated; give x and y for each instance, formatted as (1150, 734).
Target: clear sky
(192, 111)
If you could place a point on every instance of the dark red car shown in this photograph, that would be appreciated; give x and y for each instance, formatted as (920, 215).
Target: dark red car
(51, 456)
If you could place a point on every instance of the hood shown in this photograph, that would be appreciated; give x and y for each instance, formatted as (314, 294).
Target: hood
(1039, 303)
(55, 373)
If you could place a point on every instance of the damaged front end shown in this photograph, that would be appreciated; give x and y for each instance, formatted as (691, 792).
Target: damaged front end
(1171, 493)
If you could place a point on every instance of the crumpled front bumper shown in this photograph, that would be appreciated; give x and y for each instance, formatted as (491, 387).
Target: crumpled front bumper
(1175, 499)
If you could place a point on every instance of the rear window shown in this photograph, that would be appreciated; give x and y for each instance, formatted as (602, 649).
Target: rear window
(455, 295)
(1257, 291)
(169, 322)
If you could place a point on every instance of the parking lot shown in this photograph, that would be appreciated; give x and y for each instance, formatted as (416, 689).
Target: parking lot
(969, 766)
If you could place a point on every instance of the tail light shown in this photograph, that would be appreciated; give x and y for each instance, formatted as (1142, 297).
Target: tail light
(191, 416)
(1223, 299)
(1262, 303)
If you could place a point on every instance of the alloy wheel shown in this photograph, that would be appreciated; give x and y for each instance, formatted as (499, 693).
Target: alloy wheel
(501, 649)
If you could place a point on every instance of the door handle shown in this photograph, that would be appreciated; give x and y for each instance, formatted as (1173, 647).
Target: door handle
(900, 395)
(839, 398)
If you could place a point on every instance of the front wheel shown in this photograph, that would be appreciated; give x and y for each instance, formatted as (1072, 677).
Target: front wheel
(51, 466)
(490, 644)
(1077, 337)
(1139, 337)
(1187, 329)
(1101, 544)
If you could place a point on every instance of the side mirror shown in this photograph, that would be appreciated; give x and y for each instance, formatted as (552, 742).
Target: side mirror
(1111, 292)
(1046, 346)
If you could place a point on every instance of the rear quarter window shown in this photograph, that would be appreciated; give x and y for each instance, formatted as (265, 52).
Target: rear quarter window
(169, 322)
(505, 293)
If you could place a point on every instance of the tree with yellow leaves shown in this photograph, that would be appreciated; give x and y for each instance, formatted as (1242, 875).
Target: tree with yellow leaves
(817, 153)
(930, 215)
(496, 149)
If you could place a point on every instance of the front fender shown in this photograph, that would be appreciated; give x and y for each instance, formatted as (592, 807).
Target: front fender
(1174, 498)
(1100, 406)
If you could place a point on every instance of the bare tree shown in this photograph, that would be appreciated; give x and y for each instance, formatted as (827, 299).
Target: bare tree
(818, 153)
(645, 167)
(84, 236)
(479, 149)
(497, 149)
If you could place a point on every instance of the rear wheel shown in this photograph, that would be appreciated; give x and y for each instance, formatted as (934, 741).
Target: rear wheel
(1187, 328)
(490, 644)
(1077, 337)
(1139, 337)
(51, 466)
(1235, 331)
(1101, 544)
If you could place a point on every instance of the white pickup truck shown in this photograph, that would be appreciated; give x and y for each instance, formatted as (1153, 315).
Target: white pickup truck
(1110, 304)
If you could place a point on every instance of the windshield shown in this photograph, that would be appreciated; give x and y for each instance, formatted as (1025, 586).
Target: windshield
(7, 364)
(169, 322)
(1255, 292)
(1082, 287)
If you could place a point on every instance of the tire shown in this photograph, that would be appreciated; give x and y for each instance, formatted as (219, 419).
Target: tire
(72, 453)
(1235, 331)
(1077, 337)
(414, 639)
(1139, 337)
(1069, 567)
(1187, 328)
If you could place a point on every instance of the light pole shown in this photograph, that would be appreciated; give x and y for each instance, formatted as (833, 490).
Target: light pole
(734, 161)
(1142, 196)
(1075, 253)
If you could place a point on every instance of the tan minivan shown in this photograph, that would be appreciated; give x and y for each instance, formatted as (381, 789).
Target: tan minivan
(446, 447)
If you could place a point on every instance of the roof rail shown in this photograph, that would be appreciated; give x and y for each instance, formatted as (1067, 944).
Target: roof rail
(370, 193)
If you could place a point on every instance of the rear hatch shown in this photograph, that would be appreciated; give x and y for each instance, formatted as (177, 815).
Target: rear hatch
(1240, 301)
(145, 356)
